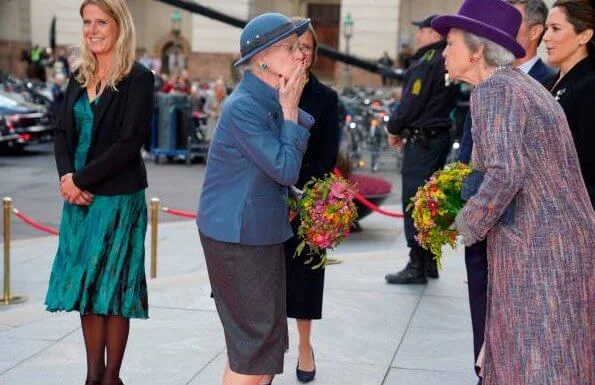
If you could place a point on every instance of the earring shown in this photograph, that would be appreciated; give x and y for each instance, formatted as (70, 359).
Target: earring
(264, 66)
(472, 60)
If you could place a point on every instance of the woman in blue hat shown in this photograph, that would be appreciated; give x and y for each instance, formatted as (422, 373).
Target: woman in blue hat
(255, 154)
(532, 207)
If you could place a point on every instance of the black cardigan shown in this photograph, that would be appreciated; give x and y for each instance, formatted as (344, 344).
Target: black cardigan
(121, 124)
(322, 103)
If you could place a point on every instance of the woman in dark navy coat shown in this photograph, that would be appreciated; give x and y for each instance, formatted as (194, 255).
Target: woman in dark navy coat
(305, 285)
(570, 44)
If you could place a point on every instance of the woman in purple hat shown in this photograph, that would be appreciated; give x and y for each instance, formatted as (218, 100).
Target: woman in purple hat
(531, 204)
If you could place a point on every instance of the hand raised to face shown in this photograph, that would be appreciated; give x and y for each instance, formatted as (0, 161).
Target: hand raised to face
(290, 91)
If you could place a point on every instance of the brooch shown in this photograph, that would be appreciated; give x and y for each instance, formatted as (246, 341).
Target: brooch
(559, 94)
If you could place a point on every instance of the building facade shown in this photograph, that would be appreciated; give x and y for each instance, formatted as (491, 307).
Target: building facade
(206, 47)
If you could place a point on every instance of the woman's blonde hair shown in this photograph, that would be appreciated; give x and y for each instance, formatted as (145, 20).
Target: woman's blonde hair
(125, 47)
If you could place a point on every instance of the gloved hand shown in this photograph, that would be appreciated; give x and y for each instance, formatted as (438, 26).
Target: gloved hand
(465, 232)
(296, 193)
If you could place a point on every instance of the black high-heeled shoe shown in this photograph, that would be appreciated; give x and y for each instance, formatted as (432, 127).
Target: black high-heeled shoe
(303, 375)
(92, 382)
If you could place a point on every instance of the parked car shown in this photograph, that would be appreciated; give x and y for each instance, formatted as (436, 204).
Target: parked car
(6, 137)
(29, 122)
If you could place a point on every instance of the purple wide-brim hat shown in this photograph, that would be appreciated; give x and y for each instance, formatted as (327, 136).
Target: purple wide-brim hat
(494, 20)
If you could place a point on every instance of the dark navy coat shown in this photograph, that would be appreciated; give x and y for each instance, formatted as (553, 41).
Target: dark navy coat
(321, 102)
(543, 73)
(576, 94)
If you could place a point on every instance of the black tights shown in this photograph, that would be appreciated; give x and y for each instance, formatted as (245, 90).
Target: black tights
(101, 334)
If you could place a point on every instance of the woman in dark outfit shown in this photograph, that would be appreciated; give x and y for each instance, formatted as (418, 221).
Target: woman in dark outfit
(99, 268)
(571, 47)
(305, 285)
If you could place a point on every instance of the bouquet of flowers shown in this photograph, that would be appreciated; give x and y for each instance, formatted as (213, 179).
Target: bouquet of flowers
(435, 206)
(326, 212)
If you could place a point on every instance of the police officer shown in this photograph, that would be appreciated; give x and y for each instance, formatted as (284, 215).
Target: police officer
(422, 122)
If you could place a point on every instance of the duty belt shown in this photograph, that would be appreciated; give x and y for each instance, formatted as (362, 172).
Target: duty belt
(422, 135)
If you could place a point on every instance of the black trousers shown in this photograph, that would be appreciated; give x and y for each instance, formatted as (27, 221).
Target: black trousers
(420, 161)
(476, 262)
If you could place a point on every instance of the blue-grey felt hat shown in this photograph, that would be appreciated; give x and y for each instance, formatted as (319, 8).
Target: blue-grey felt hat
(265, 30)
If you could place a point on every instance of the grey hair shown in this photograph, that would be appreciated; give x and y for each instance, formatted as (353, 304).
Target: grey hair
(244, 67)
(494, 54)
(535, 11)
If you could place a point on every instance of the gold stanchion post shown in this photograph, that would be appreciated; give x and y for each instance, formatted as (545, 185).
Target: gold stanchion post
(154, 224)
(8, 299)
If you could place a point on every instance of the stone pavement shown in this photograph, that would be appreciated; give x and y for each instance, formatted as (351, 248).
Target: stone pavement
(371, 334)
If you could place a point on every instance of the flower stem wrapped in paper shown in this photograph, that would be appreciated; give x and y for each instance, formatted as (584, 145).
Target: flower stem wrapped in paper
(435, 206)
(327, 212)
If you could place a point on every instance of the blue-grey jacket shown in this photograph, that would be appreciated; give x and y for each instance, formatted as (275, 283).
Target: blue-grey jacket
(254, 156)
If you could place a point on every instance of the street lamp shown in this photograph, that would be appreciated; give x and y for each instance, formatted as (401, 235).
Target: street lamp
(348, 34)
(174, 64)
(176, 22)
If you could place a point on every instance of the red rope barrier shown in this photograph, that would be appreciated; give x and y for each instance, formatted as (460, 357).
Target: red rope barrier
(362, 199)
(32, 223)
(373, 207)
(178, 213)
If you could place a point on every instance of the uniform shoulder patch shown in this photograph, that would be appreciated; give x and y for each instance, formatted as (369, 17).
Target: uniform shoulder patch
(429, 56)
(416, 89)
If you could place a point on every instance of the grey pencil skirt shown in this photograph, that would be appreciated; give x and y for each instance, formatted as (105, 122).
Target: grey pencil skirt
(248, 284)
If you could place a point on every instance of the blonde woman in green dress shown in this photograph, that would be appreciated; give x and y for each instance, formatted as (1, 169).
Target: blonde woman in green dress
(99, 266)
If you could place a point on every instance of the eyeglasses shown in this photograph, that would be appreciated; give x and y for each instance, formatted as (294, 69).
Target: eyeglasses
(294, 47)
(306, 48)
(291, 47)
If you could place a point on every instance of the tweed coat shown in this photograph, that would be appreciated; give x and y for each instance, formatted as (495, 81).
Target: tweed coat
(539, 326)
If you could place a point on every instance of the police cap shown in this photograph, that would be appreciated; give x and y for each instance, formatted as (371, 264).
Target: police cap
(425, 23)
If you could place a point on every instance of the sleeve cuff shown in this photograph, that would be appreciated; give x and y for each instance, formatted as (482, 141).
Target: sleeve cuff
(469, 237)
(295, 134)
(77, 182)
(305, 119)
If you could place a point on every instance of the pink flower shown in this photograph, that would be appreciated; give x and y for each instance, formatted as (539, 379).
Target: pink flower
(318, 238)
(339, 190)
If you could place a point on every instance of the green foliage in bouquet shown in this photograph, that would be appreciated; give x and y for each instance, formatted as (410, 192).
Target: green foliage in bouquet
(435, 206)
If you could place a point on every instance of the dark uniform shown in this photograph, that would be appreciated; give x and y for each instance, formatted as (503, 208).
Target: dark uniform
(423, 118)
